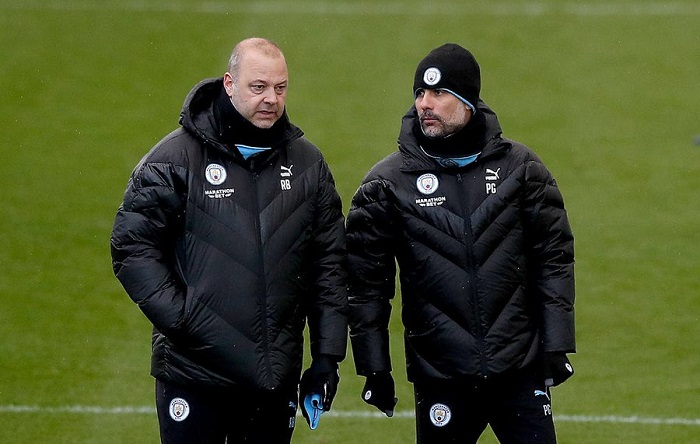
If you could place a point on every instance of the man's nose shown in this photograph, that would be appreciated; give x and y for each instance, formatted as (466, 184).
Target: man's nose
(425, 101)
(270, 96)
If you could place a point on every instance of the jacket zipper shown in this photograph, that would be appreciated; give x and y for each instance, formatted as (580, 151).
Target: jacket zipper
(473, 287)
(262, 291)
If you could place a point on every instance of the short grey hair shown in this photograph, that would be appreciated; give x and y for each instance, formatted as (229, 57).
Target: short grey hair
(266, 46)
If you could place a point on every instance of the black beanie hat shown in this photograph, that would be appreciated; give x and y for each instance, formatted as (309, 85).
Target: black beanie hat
(451, 68)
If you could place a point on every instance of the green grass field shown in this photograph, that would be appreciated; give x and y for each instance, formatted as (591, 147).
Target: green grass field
(606, 93)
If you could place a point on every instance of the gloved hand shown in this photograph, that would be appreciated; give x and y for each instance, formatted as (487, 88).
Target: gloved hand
(556, 368)
(379, 391)
(320, 383)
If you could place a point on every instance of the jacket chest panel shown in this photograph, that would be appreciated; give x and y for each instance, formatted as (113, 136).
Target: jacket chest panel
(218, 183)
(461, 205)
(431, 195)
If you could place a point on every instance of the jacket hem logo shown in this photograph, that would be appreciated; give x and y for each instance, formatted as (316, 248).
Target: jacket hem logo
(440, 415)
(179, 409)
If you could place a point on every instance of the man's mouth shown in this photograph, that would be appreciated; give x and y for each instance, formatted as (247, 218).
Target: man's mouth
(428, 118)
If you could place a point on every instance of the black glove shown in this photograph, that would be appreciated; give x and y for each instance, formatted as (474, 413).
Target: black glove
(321, 378)
(379, 391)
(557, 368)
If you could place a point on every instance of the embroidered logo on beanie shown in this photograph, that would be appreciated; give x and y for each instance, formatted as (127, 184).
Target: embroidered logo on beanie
(432, 76)
(452, 68)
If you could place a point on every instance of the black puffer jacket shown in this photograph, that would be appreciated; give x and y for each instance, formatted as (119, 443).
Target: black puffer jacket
(228, 258)
(485, 255)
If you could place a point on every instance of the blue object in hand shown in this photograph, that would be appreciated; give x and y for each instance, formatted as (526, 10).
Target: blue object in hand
(314, 409)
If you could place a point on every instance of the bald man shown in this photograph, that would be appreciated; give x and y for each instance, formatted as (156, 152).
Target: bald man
(231, 239)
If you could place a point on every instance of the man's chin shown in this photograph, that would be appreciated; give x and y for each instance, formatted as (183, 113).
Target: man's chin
(431, 132)
(264, 123)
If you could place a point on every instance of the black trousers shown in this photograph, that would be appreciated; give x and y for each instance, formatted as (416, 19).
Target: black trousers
(200, 414)
(517, 406)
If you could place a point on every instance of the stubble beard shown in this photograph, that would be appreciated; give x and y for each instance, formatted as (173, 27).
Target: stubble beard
(442, 127)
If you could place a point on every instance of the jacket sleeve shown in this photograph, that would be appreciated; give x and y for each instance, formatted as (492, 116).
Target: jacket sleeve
(372, 272)
(143, 243)
(550, 257)
(328, 325)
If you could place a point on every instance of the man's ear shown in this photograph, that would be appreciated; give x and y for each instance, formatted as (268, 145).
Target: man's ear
(228, 84)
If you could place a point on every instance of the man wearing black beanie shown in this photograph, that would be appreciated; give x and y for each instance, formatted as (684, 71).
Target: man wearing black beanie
(479, 231)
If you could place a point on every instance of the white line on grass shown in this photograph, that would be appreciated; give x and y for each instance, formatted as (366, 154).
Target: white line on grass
(130, 410)
(377, 8)
(12, 408)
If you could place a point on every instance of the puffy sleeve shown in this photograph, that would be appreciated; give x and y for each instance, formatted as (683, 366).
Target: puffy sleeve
(550, 245)
(143, 242)
(328, 314)
(372, 271)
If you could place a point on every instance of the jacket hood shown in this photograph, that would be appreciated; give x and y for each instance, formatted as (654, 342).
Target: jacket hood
(415, 159)
(198, 116)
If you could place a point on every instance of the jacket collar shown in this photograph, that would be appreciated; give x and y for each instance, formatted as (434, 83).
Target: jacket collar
(200, 117)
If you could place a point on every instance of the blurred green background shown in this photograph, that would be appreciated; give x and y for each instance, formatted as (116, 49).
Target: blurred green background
(605, 92)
